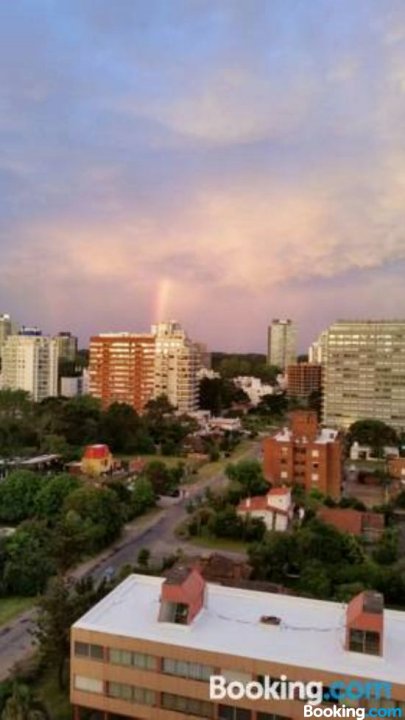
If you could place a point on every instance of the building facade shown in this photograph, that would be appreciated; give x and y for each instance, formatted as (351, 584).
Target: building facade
(149, 648)
(30, 363)
(121, 368)
(282, 343)
(364, 375)
(305, 454)
(67, 346)
(177, 362)
(6, 329)
(303, 379)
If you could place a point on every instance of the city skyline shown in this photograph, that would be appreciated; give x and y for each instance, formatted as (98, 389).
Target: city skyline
(193, 161)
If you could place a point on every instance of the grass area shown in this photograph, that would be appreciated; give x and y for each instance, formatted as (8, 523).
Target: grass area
(219, 544)
(13, 606)
(56, 701)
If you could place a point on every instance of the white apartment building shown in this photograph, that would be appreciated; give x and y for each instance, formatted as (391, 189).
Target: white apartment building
(282, 343)
(177, 361)
(364, 372)
(30, 363)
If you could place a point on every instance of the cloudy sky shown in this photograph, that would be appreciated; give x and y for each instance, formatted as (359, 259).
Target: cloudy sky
(221, 162)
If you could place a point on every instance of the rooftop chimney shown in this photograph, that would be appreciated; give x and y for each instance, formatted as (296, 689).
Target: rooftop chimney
(183, 595)
(365, 623)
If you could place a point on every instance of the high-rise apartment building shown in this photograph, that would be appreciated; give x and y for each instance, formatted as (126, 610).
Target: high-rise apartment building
(364, 372)
(150, 647)
(282, 343)
(6, 328)
(316, 351)
(122, 368)
(303, 379)
(177, 361)
(30, 362)
(67, 346)
(305, 454)
(133, 368)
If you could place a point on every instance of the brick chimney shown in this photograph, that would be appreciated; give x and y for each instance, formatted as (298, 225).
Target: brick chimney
(365, 623)
(182, 596)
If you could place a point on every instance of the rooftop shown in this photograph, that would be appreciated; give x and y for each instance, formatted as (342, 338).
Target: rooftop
(324, 436)
(310, 634)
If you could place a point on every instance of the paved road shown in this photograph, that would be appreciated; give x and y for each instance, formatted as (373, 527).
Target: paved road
(157, 534)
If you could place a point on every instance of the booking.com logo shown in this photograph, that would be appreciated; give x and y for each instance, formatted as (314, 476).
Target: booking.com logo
(313, 693)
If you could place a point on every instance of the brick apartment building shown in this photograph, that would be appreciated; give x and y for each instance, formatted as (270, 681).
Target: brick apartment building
(305, 454)
(148, 649)
(303, 379)
(122, 368)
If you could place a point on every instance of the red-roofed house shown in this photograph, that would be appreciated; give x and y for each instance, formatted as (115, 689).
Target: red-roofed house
(369, 525)
(97, 460)
(275, 508)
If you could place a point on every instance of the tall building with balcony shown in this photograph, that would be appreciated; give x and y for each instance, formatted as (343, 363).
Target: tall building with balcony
(282, 343)
(364, 372)
(305, 454)
(149, 648)
(122, 368)
(30, 363)
(177, 361)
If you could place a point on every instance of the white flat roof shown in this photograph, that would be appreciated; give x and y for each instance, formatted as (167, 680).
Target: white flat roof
(311, 633)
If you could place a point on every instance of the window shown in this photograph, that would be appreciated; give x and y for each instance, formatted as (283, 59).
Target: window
(95, 652)
(132, 659)
(129, 693)
(193, 671)
(364, 641)
(270, 716)
(88, 684)
(188, 706)
(226, 712)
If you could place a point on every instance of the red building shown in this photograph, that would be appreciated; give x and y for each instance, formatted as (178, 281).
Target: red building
(303, 379)
(305, 454)
(121, 368)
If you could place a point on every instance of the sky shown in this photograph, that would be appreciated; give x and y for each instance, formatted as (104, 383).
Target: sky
(218, 162)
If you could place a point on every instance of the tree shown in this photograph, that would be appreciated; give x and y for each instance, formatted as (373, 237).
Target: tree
(248, 475)
(276, 404)
(56, 615)
(81, 420)
(28, 562)
(17, 495)
(143, 496)
(315, 580)
(50, 498)
(22, 705)
(219, 394)
(119, 428)
(99, 512)
(159, 476)
(386, 550)
(372, 432)
(144, 557)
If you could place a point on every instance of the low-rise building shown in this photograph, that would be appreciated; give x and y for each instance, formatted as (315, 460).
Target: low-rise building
(368, 525)
(303, 379)
(150, 647)
(254, 388)
(275, 508)
(365, 452)
(97, 460)
(305, 454)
